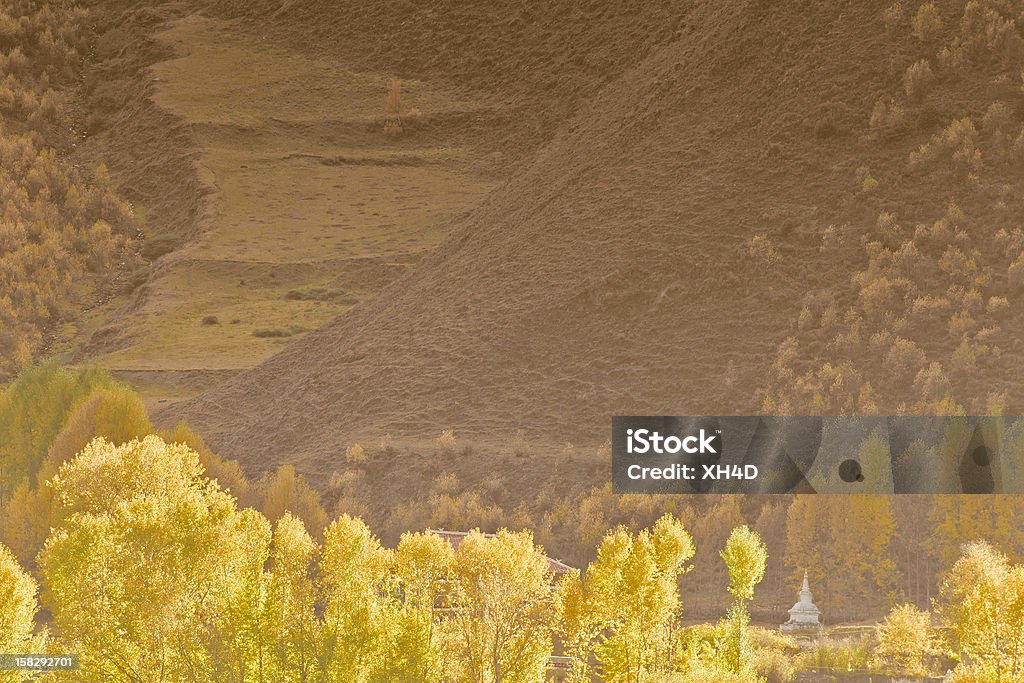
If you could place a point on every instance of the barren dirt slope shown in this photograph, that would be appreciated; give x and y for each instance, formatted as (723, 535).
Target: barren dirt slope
(612, 276)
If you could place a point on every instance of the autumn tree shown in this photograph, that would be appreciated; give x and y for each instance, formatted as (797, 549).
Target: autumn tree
(844, 543)
(358, 585)
(622, 613)
(267, 629)
(288, 491)
(146, 558)
(745, 556)
(502, 618)
(905, 640)
(115, 413)
(17, 609)
(982, 606)
(424, 563)
(33, 411)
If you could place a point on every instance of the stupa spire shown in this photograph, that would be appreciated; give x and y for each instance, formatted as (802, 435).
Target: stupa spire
(804, 614)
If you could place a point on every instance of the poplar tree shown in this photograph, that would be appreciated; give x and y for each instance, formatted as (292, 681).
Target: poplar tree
(502, 617)
(623, 612)
(17, 610)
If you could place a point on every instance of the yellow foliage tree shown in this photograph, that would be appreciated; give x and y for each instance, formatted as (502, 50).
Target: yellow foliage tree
(287, 491)
(146, 559)
(17, 609)
(623, 611)
(357, 585)
(905, 639)
(423, 567)
(502, 617)
(982, 606)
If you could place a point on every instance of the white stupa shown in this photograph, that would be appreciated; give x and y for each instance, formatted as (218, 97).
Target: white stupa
(804, 615)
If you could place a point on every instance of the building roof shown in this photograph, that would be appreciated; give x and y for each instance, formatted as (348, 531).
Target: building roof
(556, 567)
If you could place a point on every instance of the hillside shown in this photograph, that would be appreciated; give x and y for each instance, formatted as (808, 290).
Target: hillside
(650, 259)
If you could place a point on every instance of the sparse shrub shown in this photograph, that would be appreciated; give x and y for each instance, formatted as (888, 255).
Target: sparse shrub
(996, 125)
(889, 117)
(927, 23)
(1015, 275)
(320, 294)
(845, 654)
(519, 446)
(893, 16)
(826, 127)
(997, 306)
(917, 80)
(278, 332)
(446, 442)
(869, 184)
(210, 320)
(997, 119)
(774, 666)
(763, 251)
(356, 455)
(831, 238)
(269, 333)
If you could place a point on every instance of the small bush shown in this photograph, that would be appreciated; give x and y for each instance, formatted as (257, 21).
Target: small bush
(763, 251)
(893, 16)
(519, 446)
(320, 294)
(917, 80)
(774, 666)
(210, 320)
(927, 23)
(271, 332)
(446, 442)
(356, 455)
(278, 332)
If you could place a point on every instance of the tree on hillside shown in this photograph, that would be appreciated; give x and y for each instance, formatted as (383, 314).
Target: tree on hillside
(995, 519)
(33, 411)
(115, 413)
(286, 491)
(844, 543)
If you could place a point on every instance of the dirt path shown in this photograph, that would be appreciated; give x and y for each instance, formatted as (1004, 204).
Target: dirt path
(314, 207)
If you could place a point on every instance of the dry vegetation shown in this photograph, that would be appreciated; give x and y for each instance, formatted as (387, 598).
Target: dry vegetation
(931, 325)
(62, 229)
